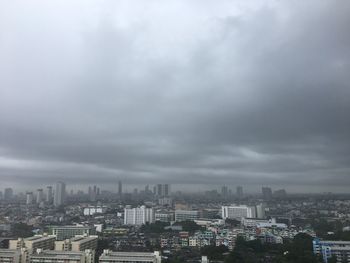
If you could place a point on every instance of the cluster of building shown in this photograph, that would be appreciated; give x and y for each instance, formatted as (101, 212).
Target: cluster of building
(76, 249)
(340, 250)
(56, 197)
(119, 216)
(46, 248)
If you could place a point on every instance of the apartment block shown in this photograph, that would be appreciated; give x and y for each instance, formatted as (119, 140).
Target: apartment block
(132, 257)
(33, 243)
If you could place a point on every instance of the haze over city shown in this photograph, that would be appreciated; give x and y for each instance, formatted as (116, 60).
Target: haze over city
(189, 93)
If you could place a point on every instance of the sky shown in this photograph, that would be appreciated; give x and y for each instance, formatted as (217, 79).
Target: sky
(194, 93)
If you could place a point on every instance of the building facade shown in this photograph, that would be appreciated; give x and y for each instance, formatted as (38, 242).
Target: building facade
(33, 243)
(67, 232)
(138, 216)
(60, 193)
(132, 257)
(238, 212)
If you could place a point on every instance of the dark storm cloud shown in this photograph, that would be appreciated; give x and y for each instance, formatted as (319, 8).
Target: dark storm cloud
(243, 92)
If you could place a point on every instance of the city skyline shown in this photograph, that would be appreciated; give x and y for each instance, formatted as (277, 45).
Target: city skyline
(244, 93)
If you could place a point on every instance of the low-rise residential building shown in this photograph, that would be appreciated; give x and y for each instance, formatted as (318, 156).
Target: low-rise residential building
(33, 243)
(77, 243)
(328, 248)
(52, 256)
(183, 215)
(67, 232)
(14, 255)
(132, 257)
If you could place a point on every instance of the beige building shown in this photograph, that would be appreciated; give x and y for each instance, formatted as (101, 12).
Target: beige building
(78, 243)
(13, 255)
(132, 257)
(33, 243)
(52, 256)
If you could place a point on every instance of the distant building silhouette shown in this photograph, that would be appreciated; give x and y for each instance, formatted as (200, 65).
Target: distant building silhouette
(239, 192)
(163, 190)
(8, 194)
(267, 193)
(60, 194)
(49, 194)
(120, 188)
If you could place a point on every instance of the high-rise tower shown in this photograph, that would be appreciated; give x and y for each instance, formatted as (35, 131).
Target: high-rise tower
(60, 193)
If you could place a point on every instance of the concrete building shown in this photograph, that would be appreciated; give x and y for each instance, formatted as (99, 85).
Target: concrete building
(77, 243)
(29, 198)
(8, 194)
(132, 257)
(33, 243)
(238, 212)
(14, 255)
(163, 190)
(327, 248)
(49, 194)
(60, 194)
(164, 216)
(91, 210)
(165, 201)
(254, 222)
(120, 188)
(39, 196)
(239, 192)
(52, 256)
(183, 215)
(67, 232)
(266, 193)
(224, 191)
(138, 216)
(260, 211)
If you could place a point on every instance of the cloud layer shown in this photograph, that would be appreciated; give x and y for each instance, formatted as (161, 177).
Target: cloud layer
(185, 92)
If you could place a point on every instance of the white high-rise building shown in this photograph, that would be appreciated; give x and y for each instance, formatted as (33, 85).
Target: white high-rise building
(138, 216)
(238, 212)
(260, 211)
(60, 193)
(29, 197)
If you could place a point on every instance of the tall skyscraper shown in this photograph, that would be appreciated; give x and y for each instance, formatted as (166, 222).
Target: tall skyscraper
(163, 190)
(49, 195)
(29, 198)
(147, 189)
(120, 188)
(94, 192)
(239, 192)
(8, 194)
(224, 191)
(39, 196)
(267, 193)
(60, 193)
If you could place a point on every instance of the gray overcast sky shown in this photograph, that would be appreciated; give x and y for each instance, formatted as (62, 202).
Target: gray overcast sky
(186, 92)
